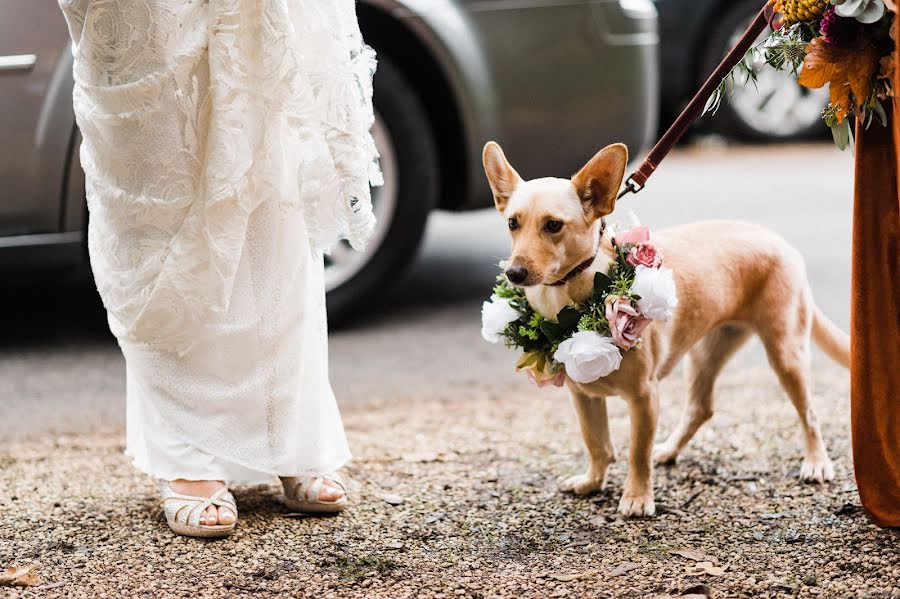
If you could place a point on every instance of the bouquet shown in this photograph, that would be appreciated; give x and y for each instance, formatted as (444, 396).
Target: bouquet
(587, 341)
(844, 44)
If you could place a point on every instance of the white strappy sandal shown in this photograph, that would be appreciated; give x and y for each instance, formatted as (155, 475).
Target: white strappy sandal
(301, 493)
(183, 511)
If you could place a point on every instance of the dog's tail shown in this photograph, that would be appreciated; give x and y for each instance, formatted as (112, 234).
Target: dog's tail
(832, 340)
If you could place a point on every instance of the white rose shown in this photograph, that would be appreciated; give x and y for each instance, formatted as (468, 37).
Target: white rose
(495, 317)
(656, 286)
(588, 356)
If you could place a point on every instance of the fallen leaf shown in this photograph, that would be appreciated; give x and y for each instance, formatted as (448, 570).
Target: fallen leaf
(623, 569)
(20, 576)
(693, 554)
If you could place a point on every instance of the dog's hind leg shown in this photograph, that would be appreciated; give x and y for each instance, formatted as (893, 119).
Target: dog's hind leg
(703, 364)
(594, 423)
(788, 352)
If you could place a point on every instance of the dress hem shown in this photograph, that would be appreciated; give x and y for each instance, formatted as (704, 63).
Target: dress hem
(263, 473)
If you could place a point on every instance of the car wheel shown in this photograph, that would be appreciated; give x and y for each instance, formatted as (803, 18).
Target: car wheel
(409, 162)
(777, 107)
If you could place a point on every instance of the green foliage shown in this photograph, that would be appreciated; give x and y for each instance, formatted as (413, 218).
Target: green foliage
(742, 73)
(840, 130)
(785, 50)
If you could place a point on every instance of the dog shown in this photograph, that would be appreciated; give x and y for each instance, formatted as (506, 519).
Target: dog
(746, 280)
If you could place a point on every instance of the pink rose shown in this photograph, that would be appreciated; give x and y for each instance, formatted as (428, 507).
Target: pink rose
(543, 381)
(644, 254)
(635, 235)
(625, 323)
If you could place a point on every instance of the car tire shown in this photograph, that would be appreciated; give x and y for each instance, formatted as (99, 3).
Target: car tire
(737, 119)
(409, 162)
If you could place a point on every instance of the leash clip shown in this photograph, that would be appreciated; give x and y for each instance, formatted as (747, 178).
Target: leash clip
(630, 187)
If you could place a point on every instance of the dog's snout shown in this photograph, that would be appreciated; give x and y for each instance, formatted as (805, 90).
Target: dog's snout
(517, 274)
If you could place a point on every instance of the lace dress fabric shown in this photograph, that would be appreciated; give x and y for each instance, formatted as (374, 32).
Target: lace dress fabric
(226, 147)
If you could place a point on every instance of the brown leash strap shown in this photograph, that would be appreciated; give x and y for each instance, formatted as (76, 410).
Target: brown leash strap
(694, 109)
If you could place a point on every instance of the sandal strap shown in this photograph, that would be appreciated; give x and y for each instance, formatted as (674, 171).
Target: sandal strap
(307, 488)
(187, 509)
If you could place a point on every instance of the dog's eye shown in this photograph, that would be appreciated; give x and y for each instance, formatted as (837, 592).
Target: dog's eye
(553, 226)
(513, 224)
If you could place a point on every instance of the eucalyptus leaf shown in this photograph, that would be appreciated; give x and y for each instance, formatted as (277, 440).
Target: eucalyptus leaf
(841, 133)
(878, 111)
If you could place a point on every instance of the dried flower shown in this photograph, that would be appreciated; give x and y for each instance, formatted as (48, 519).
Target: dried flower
(837, 30)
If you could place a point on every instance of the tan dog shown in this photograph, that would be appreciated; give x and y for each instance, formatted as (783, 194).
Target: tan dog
(733, 279)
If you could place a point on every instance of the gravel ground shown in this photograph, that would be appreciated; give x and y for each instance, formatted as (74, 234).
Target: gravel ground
(458, 498)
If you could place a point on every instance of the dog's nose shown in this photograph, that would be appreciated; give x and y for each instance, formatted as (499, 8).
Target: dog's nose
(517, 274)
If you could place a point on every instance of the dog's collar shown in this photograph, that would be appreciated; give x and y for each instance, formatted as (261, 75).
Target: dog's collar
(584, 265)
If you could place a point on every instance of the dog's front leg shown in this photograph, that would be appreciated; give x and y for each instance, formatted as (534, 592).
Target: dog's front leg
(594, 423)
(637, 496)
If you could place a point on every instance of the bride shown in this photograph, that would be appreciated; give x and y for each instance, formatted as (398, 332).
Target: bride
(226, 147)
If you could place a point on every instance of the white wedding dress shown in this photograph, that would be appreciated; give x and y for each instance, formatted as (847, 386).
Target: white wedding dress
(226, 146)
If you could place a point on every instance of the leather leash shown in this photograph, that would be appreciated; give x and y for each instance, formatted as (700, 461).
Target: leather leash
(638, 179)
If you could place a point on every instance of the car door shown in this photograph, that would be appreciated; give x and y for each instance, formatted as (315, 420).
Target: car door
(36, 126)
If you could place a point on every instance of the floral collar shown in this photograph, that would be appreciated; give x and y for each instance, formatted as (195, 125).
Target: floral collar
(586, 341)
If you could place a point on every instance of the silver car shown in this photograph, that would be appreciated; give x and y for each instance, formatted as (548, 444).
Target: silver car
(552, 80)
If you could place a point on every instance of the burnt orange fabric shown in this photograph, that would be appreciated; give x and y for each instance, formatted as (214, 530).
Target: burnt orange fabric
(875, 320)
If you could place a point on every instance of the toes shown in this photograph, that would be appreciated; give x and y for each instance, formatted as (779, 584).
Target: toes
(637, 506)
(212, 516)
(226, 516)
(581, 484)
(330, 491)
(817, 470)
(568, 485)
(664, 454)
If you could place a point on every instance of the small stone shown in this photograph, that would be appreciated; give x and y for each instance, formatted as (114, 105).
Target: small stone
(392, 499)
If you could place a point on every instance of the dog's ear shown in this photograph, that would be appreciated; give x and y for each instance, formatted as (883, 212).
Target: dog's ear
(503, 178)
(598, 182)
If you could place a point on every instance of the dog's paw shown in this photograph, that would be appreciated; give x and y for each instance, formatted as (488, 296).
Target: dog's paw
(664, 453)
(582, 484)
(817, 470)
(637, 506)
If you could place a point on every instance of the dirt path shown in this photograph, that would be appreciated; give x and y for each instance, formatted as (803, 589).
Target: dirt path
(458, 498)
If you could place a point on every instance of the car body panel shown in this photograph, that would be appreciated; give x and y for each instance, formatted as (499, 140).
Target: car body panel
(36, 118)
(552, 80)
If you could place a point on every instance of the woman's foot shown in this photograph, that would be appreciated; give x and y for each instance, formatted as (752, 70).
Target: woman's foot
(315, 494)
(331, 491)
(205, 488)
